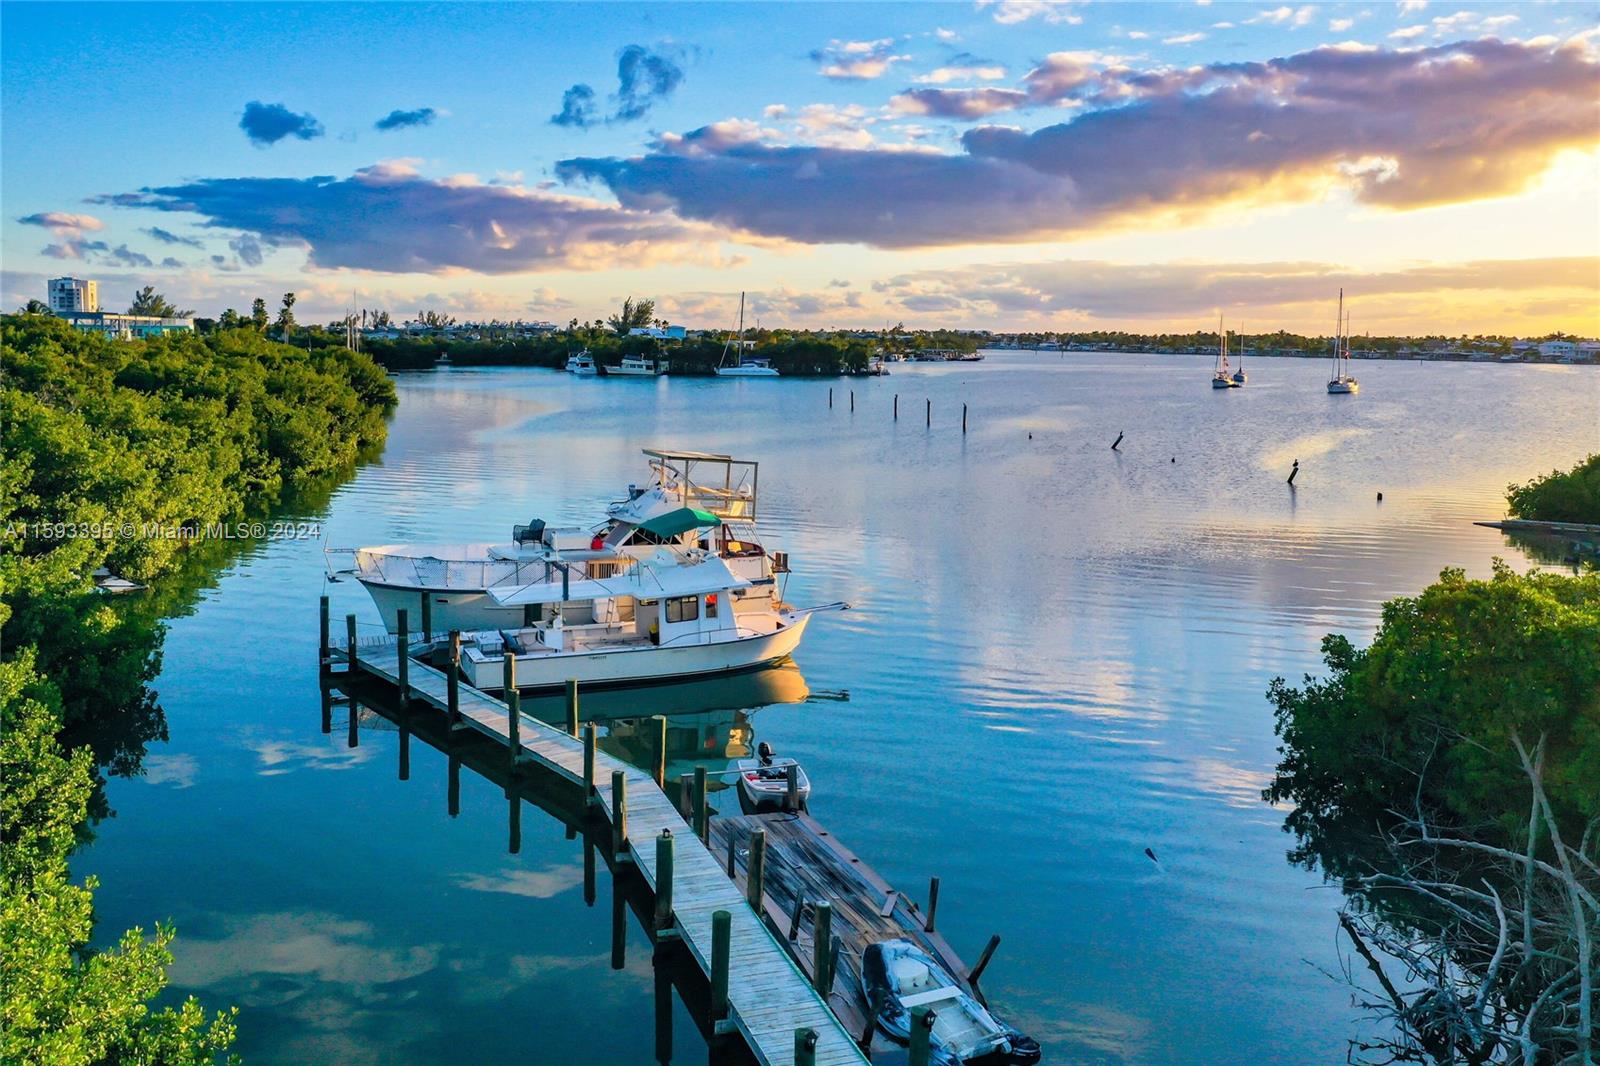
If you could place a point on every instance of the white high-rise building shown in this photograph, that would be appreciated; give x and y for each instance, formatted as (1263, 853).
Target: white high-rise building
(74, 294)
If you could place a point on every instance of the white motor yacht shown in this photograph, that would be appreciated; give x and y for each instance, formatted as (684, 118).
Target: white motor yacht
(638, 366)
(581, 363)
(693, 499)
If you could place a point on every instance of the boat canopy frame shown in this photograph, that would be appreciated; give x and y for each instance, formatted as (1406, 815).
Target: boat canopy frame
(713, 482)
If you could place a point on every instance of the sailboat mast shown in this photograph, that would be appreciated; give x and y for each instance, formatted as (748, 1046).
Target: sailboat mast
(1338, 334)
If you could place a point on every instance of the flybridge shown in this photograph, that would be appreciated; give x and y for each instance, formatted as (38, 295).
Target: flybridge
(708, 481)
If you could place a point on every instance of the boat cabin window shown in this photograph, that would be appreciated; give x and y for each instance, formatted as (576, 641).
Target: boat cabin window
(711, 605)
(683, 608)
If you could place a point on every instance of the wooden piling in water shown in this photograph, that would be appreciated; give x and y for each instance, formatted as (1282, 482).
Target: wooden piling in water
(821, 943)
(721, 943)
(350, 639)
(572, 706)
(933, 903)
(322, 645)
(664, 853)
(619, 816)
(588, 764)
(658, 754)
(513, 699)
(402, 646)
(794, 918)
(513, 821)
(897, 407)
(852, 401)
(452, 689)
(976, 972)
(588, 872)
(830, 397)
(791, 795)
(963, 418)
(753, 868)
(405, 754)
(927, 419)
(805, 1047)
(702, 807)
(921, 1051)
(327, 711)
(427, 616)
(352, 738)
(453, 790)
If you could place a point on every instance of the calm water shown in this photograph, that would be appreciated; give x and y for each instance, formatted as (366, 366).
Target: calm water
(1057, 660)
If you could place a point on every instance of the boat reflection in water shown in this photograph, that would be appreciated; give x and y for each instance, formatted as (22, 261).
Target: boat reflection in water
(708, 721)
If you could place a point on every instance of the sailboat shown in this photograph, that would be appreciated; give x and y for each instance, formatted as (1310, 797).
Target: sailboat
(1239, 376)
(742, 367)
(1222, 379)
(1342, 384)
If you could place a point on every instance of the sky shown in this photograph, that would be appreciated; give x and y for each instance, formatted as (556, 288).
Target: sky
(1006, 164)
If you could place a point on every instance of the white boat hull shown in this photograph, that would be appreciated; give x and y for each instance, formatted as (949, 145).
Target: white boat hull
(466, 610)
(746, 372)
(647, 662)
(1343, 388)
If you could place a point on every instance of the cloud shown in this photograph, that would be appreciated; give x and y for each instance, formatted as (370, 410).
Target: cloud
(962, 71)
(578, 108)
(389, 218)
(63, 223)
(1408, 32)
(124, 256)
(1284, 16)
(857, 60)
(1276, 292)
(168, 237)
(1409, 7)
(399, 120)
(1184, 38)
(1402, 129)
(643, 77)
(1010, 12)
(267, 124)
(1340, 25)
(957, 103)
(248, 249)
(172, 264)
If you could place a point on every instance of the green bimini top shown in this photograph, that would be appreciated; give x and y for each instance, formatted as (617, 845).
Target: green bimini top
(680, 521)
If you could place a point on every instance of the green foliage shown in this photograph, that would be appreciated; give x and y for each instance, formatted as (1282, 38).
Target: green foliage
(1449, 676)
(112, 449)
(1560, 496)
(258, 315)
(147, 301)
(65, 1004)
(632, 316)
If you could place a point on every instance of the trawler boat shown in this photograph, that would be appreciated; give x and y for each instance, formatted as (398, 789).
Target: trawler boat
(1342, 383)
(742, 367)
(582, 364)
(638, 366)
(670, 615)
(693, 499)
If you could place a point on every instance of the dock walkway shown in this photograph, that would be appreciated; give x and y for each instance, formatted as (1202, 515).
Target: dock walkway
(769, 999)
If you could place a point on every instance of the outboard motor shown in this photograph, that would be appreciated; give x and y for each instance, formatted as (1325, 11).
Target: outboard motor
(764, 753)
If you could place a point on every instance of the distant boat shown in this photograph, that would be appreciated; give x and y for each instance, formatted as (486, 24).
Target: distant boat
(742, 367)
(1342, 383)
(1239, 376)
(900, 975)
(638, 366)
(1221, 378)
(582, 364)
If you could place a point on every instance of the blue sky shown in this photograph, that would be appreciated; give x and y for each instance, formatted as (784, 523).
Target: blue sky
(1070, 165)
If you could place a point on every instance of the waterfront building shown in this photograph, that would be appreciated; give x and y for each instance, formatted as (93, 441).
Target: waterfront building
(1558, 349)
(73, 294)
(125, 327)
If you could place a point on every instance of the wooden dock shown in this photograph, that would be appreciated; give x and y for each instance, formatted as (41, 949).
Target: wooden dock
(770, 1002)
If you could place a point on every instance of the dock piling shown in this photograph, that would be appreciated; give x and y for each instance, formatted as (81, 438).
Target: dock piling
(508, 678)
(721, 943)
(833, 965)
(852, 401)
(452, 692)
(805, 1047)
(927, 417)
(933, 903)
(619, 816)
(572, 706)
(791, 796)
(322, 647)
(821, 944)
(427, 617)
(921, 1052)
(350, 639)
(983, 961)
(794, 919)
(658, 761)
(353, 739)
(588, 871)
(702, 809)
(402, 647)
(897, 407)
(963, 418)
(686, 797)
(588, 764)
(405, 754)
(327, 710)
(453, 790)
(830, 397)
(1115, 444)
(664, 853)
(513, 821)
(754, 867)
